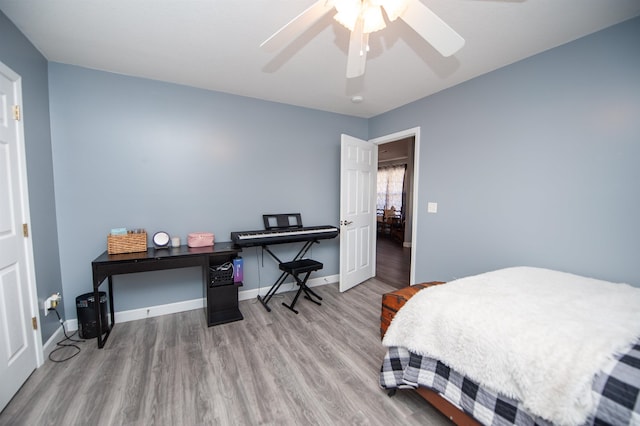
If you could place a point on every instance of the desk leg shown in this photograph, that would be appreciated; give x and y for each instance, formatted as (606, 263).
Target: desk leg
(98, 311)
(111, 309)
(96, 298)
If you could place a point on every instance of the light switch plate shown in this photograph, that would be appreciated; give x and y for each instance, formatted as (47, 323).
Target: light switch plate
(432, 207)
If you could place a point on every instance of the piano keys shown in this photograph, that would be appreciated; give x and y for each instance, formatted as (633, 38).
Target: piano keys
(283, 235)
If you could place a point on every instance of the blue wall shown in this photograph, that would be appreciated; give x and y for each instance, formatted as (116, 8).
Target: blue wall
(138, 153)
(537, 163)
(22, 57)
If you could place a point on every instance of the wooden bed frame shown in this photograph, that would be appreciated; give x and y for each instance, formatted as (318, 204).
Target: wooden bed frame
(391, 303)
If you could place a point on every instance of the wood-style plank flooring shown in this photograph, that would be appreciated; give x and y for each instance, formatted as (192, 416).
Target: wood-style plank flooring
(393, 262)
(316, 368)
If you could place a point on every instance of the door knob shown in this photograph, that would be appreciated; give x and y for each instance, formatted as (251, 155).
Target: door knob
(346, 222)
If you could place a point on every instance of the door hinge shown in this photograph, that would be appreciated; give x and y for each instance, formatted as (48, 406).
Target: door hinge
(25, 229)
(34, 323)
(16, 112)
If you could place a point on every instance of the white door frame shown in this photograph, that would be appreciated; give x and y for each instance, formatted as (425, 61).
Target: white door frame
(415, 132)
(26, 217)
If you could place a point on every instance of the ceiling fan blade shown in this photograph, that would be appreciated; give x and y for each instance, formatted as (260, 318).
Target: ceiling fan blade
(431, 28)
(358, 45)
(297, 25)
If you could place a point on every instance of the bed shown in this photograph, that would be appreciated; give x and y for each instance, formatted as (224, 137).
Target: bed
(524, 346)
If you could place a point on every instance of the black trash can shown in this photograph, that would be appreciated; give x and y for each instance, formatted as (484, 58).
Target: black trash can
(86, 310)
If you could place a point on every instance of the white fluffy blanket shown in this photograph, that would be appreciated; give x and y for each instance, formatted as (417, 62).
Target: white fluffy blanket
(533, 334)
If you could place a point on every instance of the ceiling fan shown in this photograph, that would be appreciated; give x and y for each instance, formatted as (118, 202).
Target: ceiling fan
(363, 17)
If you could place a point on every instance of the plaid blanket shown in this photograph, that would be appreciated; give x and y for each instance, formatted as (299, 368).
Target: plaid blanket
(616, 390)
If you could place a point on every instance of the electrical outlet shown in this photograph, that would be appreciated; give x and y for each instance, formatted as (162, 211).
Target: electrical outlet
(51, 302)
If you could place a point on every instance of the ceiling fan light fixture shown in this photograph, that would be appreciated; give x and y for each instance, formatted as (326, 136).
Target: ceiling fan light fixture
(373, 20)
(349, 11)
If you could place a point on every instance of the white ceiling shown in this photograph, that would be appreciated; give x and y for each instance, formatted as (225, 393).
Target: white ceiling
(213, 44)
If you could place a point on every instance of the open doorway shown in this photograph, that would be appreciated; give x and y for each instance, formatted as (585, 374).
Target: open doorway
(395, 208)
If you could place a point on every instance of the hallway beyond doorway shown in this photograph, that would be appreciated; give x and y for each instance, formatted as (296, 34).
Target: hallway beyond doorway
(393, 262)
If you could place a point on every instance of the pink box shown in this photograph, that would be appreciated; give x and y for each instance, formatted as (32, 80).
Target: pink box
(200, 239)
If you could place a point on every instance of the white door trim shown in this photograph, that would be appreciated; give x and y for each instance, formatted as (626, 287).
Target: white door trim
(415, 132)
(26, 216)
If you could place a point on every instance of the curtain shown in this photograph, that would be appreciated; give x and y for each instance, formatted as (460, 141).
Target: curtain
(391, 187)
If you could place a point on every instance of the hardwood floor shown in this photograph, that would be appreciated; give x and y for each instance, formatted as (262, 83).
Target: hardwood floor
(318, 368)
(393, 262)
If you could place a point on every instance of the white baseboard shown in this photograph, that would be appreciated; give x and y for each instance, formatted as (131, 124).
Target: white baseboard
(188, 305)
(50, 344)
(149, 312)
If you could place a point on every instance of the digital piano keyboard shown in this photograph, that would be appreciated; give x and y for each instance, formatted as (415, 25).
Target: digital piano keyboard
(283, 235)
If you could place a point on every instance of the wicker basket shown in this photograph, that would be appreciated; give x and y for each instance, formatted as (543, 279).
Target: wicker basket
(129, 243)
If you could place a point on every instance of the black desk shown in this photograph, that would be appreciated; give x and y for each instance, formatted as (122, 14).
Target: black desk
(221, 301)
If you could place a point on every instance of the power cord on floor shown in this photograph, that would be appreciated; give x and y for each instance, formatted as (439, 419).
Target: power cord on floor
(61, 345)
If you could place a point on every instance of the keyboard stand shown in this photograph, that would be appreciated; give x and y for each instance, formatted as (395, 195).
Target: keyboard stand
(274, 288)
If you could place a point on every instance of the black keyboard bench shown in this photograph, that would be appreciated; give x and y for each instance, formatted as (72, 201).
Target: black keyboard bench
(296, 268)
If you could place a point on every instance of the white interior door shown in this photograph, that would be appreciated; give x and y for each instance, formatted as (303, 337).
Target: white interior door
(358, 169)
(17, 337)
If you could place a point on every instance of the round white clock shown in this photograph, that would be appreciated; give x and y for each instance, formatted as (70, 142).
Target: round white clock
(161, 239)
